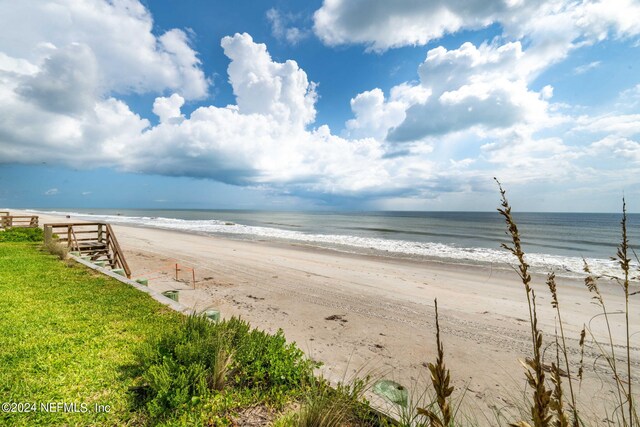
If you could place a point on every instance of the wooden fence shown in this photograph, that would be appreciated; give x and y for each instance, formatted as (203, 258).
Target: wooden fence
(7, 221)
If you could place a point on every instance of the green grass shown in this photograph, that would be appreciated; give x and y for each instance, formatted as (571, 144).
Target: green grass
(68, 335)
(71, 335)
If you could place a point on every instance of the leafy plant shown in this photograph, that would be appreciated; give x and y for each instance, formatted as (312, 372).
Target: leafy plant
(184, 365)
(22, 234)
(265, 361)
(191, 363)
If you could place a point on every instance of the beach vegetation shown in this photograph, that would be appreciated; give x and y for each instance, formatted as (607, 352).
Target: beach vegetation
(344, 404)
(56, 248)
(21, 234)
(328, 407)
(196, 359)
(186, 363)
(549, 405)
(266, 361)
(440, 379)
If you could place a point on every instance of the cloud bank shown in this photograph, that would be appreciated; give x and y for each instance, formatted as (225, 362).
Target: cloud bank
(471, 114)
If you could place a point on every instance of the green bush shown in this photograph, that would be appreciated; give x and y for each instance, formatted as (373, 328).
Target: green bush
(196, 360)
(266, 361)
(183, 365)
(22, 234)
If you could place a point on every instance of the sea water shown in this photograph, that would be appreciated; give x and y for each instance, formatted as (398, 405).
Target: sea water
(553, 241)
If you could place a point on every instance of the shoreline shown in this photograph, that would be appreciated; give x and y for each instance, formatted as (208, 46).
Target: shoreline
(565, 266)
(357, 312)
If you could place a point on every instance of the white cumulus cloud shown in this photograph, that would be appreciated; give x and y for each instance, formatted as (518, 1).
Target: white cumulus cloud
(620, 147)
(263, 86)
(168, 109)
(128, 57)
(471, 87)
(383, 24)
(551, 26)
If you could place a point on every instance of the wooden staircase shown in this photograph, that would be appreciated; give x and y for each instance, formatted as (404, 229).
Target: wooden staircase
(95, 240)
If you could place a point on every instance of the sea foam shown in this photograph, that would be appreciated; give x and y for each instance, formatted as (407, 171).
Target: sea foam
(561, 265)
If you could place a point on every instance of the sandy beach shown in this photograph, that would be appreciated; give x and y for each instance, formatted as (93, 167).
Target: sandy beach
(362, 314)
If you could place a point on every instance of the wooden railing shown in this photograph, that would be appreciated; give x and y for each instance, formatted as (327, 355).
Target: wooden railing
(7, 221)
(93, 239)
(2, 213)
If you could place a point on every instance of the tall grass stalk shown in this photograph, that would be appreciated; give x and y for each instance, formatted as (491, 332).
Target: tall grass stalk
(440, 378)
(581, 345)
(557, 403)
(624, 261)
(622, 257)
(591, 282)
(541, 397)
(551, 282)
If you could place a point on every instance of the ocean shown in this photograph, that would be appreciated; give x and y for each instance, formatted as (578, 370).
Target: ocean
(552, 241)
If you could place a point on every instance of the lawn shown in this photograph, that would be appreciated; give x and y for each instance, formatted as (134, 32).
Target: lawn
(68, 335)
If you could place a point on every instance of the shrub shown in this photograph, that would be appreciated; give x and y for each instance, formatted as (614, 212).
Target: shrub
(266, 361)
(197, 359)
(183, 365)
(22, 234)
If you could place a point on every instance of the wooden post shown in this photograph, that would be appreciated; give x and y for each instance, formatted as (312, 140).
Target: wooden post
(100, 233)
(48, 234)
(193, 274)
(176, 272)
(69, 244)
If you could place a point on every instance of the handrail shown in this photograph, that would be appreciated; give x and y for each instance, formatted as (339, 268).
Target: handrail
(117, 251)
(79, 224)
(74, 245)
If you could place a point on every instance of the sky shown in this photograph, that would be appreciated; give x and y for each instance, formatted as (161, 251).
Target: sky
(320, 105)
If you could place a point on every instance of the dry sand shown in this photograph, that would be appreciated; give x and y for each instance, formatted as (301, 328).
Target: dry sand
(366, 314)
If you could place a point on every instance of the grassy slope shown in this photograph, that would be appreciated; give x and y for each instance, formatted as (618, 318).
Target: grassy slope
(67, 334)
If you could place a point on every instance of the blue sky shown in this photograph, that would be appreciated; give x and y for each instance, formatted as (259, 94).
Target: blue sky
(333, 104)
